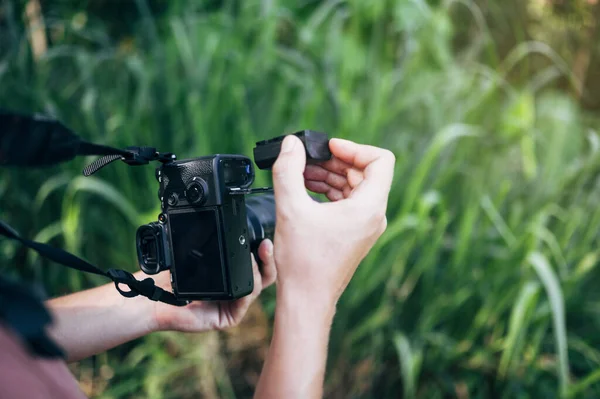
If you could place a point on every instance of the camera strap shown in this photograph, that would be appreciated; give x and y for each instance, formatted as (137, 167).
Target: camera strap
(145, 287)
(36, 141)
(39, 141)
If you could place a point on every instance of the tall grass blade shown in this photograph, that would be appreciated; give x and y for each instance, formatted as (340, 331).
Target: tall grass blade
(517, 330)
(555, 296)
(410, 364)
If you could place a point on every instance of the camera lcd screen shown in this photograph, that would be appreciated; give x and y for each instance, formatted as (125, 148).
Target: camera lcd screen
(197, 251)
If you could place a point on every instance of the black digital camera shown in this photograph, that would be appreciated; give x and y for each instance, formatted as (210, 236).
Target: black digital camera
(208, 228)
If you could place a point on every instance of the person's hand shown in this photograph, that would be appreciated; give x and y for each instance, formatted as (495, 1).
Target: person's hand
(318, 246)
(204, 316)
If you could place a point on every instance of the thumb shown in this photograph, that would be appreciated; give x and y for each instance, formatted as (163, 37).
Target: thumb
(288, 172)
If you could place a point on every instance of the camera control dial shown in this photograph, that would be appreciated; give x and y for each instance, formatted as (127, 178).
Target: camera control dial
(195, 192)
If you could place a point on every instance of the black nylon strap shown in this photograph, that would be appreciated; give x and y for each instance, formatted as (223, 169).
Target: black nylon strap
(87, 148)
(144, 287)
(39, 141)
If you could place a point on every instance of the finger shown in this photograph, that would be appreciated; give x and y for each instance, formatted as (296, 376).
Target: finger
(377, 163)
(237, 310)
(334, 175)
(318, 173)
(336, 165)
(288, 179)
(354, 154)
(355, 177)
(268, 270)
(257, 279)
(332, 193)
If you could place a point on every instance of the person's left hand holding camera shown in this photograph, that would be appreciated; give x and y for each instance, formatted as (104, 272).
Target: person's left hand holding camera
(92, 321)
(210, 315)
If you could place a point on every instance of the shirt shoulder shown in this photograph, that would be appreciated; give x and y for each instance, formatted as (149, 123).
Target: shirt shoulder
(25, 376)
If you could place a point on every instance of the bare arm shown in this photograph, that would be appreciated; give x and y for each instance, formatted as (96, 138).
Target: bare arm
(295, 366)
(318, 246)
(95, 320)
(92, 321)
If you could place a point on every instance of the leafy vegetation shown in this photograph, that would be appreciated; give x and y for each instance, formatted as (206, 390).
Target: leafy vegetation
(484, 284)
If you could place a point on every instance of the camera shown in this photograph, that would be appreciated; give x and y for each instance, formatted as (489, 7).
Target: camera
(207, 228)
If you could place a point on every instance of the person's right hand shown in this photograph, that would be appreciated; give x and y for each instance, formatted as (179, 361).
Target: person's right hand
(318, 246)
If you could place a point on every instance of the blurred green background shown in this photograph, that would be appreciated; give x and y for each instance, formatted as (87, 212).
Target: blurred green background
(485, 284)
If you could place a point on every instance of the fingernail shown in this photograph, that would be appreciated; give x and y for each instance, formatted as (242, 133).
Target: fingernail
(288, 144)
(269, 245)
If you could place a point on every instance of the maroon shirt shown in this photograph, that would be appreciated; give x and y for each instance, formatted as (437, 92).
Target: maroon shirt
(25, 376)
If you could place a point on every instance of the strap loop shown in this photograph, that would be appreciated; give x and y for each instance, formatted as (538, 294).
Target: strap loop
(126, 294)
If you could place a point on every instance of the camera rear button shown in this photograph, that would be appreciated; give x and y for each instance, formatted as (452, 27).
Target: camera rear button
(173, 199)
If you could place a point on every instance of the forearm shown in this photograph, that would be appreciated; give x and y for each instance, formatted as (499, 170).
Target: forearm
(295, 364)
(95, 320)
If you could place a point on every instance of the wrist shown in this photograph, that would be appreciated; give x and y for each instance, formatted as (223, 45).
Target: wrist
(162, 317)
(146, 311)
(305, 304)
(151, 311)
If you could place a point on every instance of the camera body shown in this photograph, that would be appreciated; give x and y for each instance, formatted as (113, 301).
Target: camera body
(208, 228)
(202, 235)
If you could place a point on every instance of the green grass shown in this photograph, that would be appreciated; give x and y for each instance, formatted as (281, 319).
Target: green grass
(485, 281)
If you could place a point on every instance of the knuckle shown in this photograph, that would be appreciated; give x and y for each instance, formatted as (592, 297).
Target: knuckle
(378, 221)
(383, 226)
(284, 214)
(379, 216)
